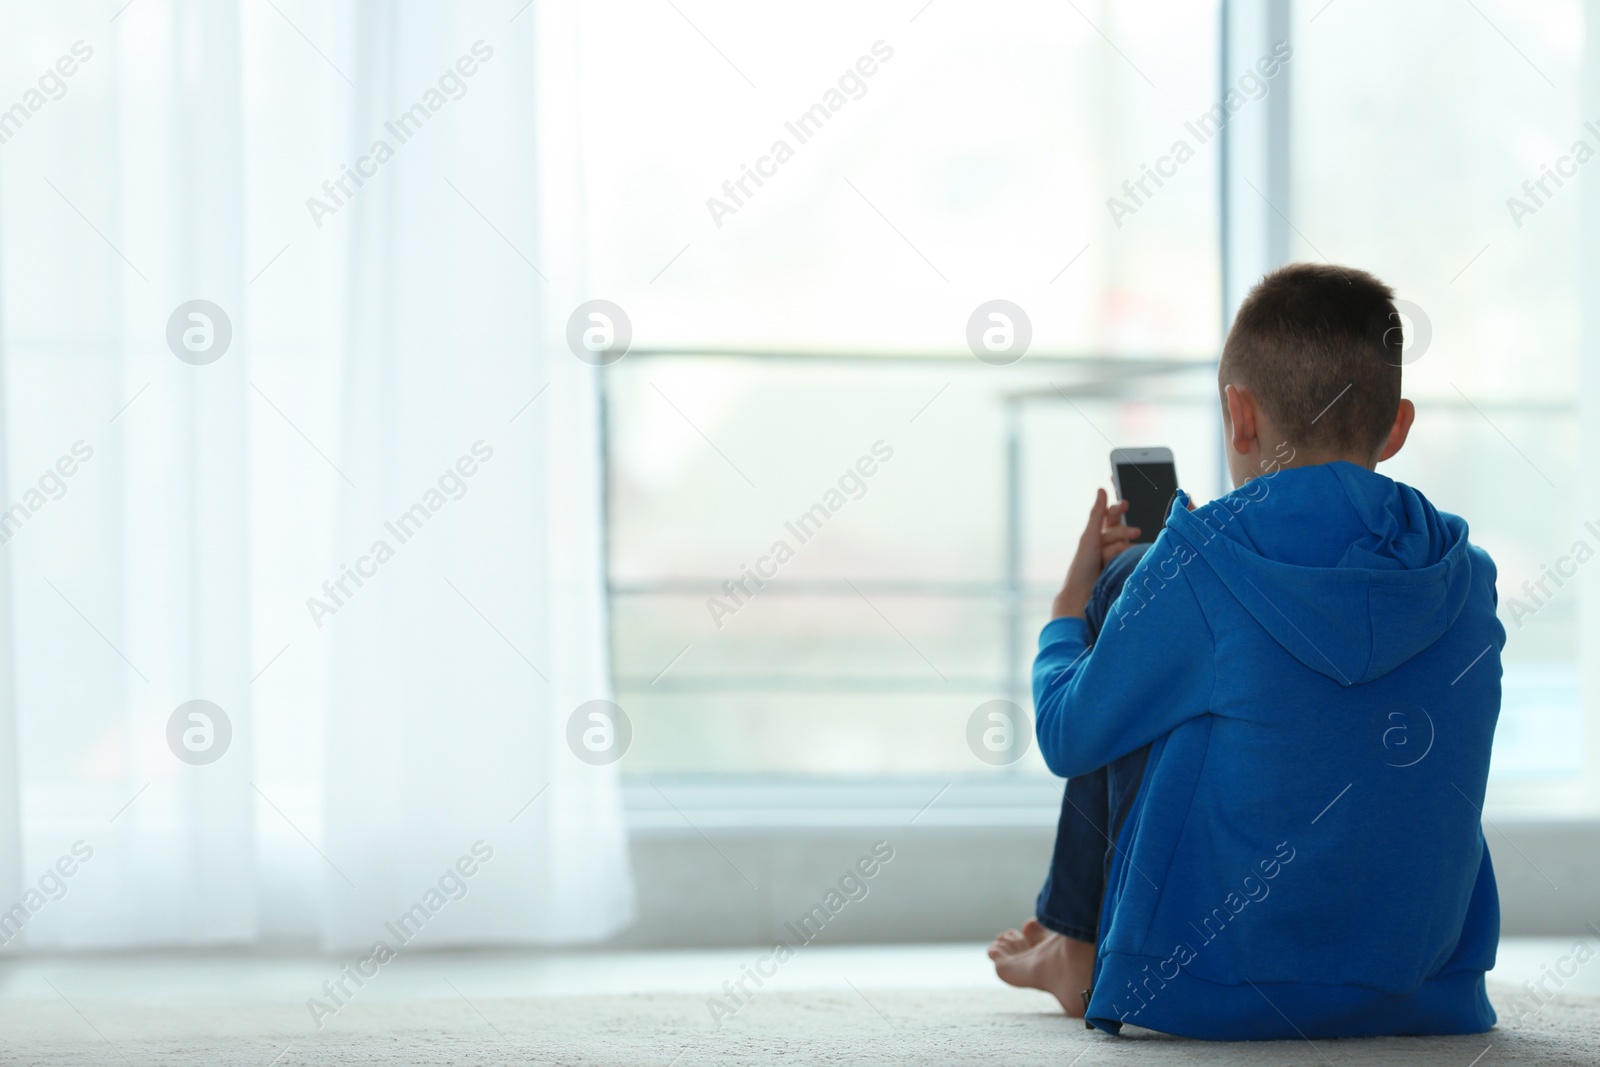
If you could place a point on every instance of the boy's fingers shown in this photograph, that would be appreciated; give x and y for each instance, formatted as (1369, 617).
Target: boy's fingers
(1112, 535)
(1097, 514)
(1114, 513)
(1109, 552)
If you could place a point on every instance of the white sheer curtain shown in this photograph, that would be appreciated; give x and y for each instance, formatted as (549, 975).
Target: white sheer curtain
(387, 337)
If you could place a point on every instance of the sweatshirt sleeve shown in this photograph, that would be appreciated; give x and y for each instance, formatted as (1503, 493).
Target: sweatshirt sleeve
(1152, 668)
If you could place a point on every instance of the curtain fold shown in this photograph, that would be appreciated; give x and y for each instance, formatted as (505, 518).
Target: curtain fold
(346, 529)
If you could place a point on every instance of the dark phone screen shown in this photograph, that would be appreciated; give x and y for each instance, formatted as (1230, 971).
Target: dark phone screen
(1148, 488)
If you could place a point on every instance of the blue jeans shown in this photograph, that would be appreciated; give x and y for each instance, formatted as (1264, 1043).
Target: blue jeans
(1094, 805)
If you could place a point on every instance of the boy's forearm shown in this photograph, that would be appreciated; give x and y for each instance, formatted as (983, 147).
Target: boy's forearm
(1063, 651)
(1135, 685)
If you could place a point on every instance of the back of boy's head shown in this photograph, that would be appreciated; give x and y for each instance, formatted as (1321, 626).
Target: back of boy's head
(1320, 347)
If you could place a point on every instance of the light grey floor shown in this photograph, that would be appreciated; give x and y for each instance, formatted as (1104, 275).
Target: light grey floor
(231, 977)
(903, 1004)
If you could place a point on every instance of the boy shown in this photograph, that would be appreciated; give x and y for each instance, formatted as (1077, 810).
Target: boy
(1277, 749)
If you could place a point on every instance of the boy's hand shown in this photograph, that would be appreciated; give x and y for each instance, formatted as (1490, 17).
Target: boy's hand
(1105, 536)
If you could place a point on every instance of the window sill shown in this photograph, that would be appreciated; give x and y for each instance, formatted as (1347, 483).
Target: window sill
(725, 861)
(668, 803)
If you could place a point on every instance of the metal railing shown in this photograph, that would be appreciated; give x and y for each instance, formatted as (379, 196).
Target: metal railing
(1089, 378)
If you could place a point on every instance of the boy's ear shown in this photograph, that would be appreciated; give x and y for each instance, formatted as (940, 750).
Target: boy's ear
(1397, 433)
(1241, 417)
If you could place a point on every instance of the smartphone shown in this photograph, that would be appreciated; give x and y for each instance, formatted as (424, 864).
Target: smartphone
(1147, 480)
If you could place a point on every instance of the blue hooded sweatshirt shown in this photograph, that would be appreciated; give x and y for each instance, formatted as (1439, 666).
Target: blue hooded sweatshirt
(1314, 661)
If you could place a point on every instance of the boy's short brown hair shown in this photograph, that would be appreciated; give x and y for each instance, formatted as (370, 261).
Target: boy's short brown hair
(1320, 347)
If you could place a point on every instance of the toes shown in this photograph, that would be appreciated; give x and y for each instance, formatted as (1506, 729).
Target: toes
(1033, 932)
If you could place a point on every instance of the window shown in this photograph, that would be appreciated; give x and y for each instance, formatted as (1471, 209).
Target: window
(824, 323)
(776, 344)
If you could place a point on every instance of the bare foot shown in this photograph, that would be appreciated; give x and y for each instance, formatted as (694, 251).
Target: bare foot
(1014, 941)
(1008, 944)
(1058, 965)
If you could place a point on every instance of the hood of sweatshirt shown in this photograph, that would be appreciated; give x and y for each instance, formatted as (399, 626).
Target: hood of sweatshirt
(1351, 572)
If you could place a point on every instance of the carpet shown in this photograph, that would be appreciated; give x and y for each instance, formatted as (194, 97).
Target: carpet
(988, 1026)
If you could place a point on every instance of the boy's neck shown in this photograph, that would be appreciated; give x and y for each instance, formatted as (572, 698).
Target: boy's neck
(1312, 459)
(1264, 464)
